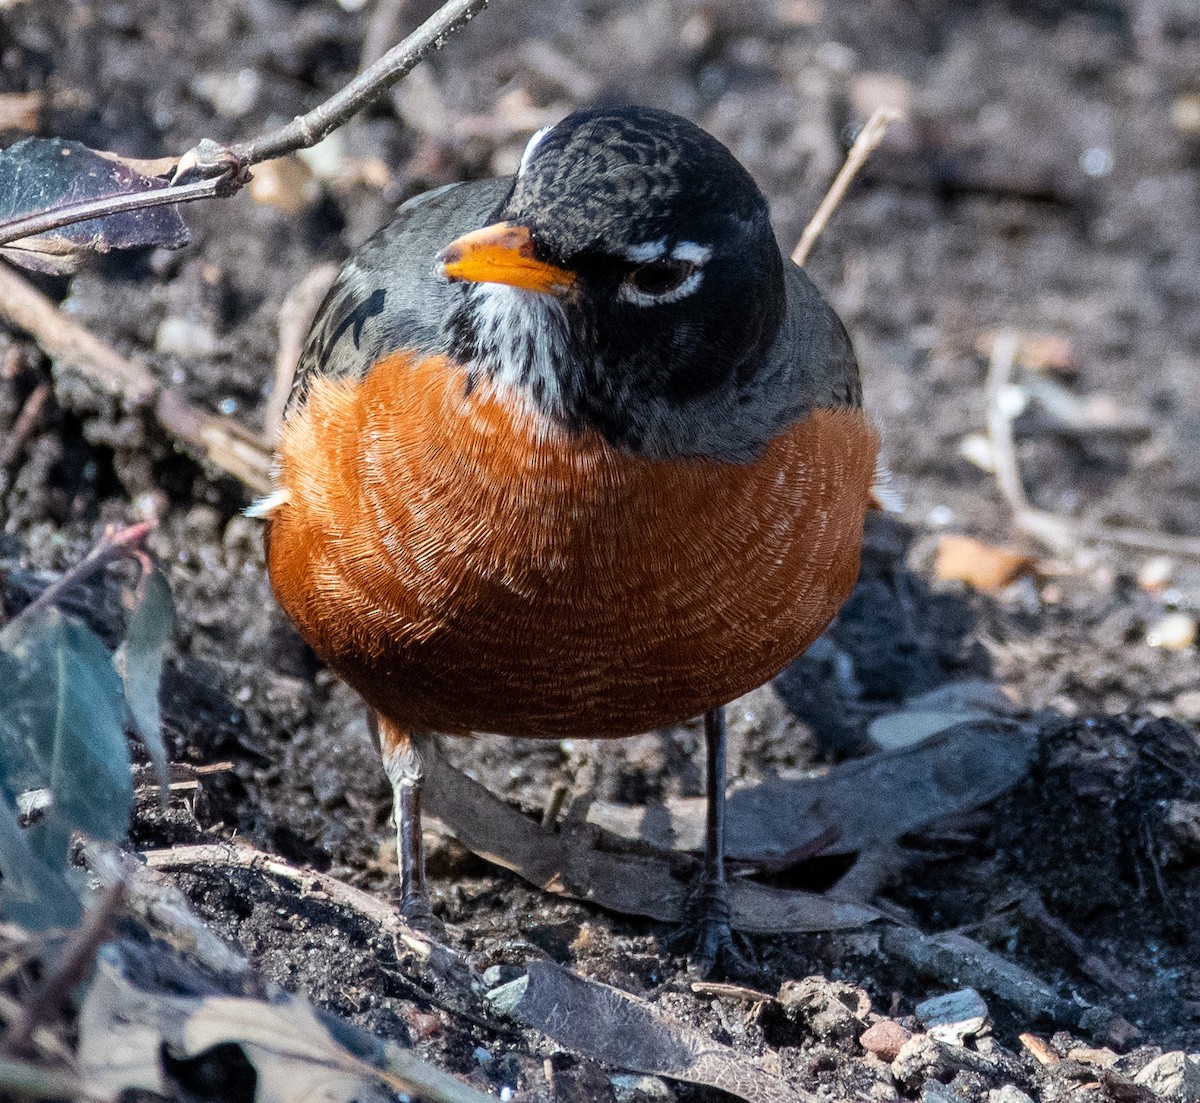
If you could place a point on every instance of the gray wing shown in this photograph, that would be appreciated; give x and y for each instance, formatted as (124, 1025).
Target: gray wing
(387, 295)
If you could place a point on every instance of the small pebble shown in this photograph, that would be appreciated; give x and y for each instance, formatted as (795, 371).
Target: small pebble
(976, 449)
(1174, 1075)
(953, 1017)
(1174, 632)
(629, 1087)
(1010, 1093)
(1156, 573)
(184, 337)
(1101, 1058)
(885, 1039)
(921, 1058)
(937, 1092)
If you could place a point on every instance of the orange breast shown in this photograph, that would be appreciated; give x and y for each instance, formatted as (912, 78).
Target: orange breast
(467, 567)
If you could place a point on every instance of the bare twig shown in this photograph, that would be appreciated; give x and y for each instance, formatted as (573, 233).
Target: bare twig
(860, 152)
(308, 129)
(63, 338)
(319, 885)
(222, 171)
(24, 424)
(161, 906)
(1061, 534)
(112, 543)
(222, 441)
(13, 229)
(295, 316)
(69, 970)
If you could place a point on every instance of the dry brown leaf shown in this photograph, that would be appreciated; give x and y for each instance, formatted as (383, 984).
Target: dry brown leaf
(862, 804)
(982, 565)
(40, 175)
(609, 1025)
(571, 862)
(125, 1030)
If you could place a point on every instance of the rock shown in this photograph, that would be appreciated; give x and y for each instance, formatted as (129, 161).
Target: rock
(937, 1092)
(1089, 1055)
(630, 1088)
(921, 1058)
(1174, 632)
(833, 1011)
(1174, 1076)
(954, 1016)
(1010, 1093)
(180, 336)
(885, 1039)
(1183, 823)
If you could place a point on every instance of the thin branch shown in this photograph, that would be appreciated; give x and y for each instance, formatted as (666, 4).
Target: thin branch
(222, 171)
(63, 338)
(223, 442)
(308, 129)
(318, 885)
(860, 152)
(999, 422)
(14, 229)
(112, 543)
(71, 967)
(1060, 534)
(24, 424)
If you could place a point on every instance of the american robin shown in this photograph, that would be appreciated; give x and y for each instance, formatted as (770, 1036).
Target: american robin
(572, 453)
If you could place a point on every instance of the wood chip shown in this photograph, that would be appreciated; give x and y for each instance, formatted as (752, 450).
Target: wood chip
(985, 566)
(1042, 1053)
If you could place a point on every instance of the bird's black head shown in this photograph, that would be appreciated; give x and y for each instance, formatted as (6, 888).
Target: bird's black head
(634, 286)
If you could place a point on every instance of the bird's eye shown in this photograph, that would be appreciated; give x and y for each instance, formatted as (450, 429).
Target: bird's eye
(660, 277)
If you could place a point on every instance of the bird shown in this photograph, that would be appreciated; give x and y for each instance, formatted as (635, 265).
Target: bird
(572, 453)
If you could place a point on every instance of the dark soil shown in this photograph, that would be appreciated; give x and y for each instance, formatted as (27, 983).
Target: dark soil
(1048, 179)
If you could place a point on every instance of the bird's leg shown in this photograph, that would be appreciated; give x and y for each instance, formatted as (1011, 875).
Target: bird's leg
(405, 768)
(707, 928)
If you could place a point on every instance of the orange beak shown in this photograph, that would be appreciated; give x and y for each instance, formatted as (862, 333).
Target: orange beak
(502, 253)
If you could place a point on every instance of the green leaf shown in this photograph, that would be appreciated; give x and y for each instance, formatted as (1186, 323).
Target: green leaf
(146, 642)
(34, 894)
(61, 723)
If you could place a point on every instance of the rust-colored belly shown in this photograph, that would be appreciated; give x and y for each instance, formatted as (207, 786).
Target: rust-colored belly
(467, 567)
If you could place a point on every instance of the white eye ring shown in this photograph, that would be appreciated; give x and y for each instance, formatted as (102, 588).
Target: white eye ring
(690, 276)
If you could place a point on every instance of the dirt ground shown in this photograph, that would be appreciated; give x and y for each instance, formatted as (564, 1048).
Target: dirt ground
(1047, 179)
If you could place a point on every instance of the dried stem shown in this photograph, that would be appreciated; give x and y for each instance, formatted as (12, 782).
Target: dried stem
(308, 129)
(70, 969)
(377, 911)
(13, 229)
(222, 441)
(112, 543)
(24, 424)
(223, 171)
(1061, 534)
(295, 316)
(860, 152)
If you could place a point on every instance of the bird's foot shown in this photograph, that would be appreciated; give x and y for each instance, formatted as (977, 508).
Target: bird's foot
(706, 935)
(419, 915)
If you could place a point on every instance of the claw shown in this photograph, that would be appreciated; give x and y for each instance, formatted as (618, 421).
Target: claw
(706, 936)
